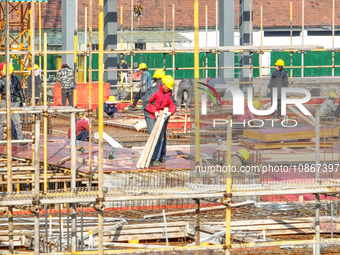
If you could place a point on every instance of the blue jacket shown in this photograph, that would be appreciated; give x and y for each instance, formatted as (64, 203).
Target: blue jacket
(145, 81)
(110, 110)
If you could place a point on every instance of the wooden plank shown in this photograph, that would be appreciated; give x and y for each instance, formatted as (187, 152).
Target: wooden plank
(122, 232)
(278, 145)
(137, 246)
(309, 121)
(156, 225)
(273, 227)
(146, 150)
(146, 237)
(202, 209)
(156, 138)
(286, 134)
(279, 221)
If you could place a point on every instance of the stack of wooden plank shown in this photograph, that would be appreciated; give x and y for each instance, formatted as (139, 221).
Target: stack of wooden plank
(295, 137)
(253, 230)
(152, 231)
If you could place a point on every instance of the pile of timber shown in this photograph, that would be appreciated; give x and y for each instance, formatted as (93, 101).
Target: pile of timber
(152, 231)
(113, 233)
(252, 230)
(295, 137)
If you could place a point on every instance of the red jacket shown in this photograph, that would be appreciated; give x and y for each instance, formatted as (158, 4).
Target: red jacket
(81, 125)
(248, 115)
(159, 100)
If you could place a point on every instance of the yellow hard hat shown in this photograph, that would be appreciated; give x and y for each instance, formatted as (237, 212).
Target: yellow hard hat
(142, 66)
(111, 100)
(257, 103)
(123, 61)
(159, 74)
(36, 67)
(168, 81)
(244, 153)
(334, 95)
(11, 69)
(280, 62)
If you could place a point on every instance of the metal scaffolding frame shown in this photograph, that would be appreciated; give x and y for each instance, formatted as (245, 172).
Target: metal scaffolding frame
(35, 198)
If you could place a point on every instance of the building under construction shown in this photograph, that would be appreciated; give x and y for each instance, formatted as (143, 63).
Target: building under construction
(64, 196)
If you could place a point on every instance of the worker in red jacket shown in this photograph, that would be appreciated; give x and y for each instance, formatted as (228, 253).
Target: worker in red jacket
(82, 129)
(156, 99)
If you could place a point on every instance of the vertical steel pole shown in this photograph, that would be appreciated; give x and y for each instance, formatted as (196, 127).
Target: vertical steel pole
(100, 125)
(303, 38)
(197, 91)
(90, 92)
(132, 49)
(73, 180)
(173, 40)
(39, 33)
(8, 115)
(228, 189)
(37, 183)
(164, 19)
(85, 42)
(75, 63)
(317, 179)
(216, 32)
(333, 42)
(45, 113)
(32, 37)
(198, 220)
(206, 41)
(261, 53)
(291, 42)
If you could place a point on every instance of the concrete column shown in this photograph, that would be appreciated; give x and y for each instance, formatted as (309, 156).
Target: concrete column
(246, 17)
(69, 19)
(110, 41)
(226, 23)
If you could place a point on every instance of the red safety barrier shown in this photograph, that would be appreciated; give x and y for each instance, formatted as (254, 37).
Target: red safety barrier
(82, 95)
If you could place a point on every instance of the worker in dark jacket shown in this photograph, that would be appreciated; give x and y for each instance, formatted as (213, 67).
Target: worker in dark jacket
(17, 100)
(66, 78)
(82, 129)
(144, 85)
(110, 108)
(156, 99)
(278, 80)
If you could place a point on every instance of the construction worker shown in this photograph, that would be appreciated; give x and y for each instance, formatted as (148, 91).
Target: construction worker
(110, 108)
(248, 115)
(66, 78)
(82, 129)
(144, 85)
(156, 99)
(279, 79)
(38, 80)
(240, 159)
(157, 77)
(328, 107)
(123, 65)
(17, 99)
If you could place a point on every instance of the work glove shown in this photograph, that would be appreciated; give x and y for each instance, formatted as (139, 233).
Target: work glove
(157, 114)
(167, 114)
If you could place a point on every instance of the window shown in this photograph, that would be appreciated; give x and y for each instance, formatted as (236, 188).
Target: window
(280, 33)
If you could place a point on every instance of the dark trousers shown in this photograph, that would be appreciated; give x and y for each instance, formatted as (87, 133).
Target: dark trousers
(67, 93)
(138, 96)
(278, 111)
(337, 112)
(160, 149)
(83, 135)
